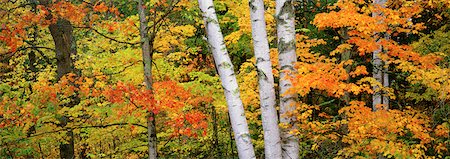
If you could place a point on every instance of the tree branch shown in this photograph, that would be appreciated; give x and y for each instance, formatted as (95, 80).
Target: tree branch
(72, 128)
(107, 37)
(124, 68)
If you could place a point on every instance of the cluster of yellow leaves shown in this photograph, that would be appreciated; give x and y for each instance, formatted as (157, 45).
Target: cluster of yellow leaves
(247, 79)
(241, 10)
(313, 127)
(422, 69)
(386, 132)
(173, 37)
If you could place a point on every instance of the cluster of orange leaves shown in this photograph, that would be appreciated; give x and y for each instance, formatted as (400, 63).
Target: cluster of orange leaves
(327, 75)
(15, 114)
(390, 133)
(318, 72)
(15, 32)
(364, 27)
(176, 105)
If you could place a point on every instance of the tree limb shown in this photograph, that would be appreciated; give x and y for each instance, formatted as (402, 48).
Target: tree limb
(105, 36)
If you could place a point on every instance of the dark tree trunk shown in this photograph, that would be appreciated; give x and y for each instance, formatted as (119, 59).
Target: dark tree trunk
(65, 47)
(66, 150)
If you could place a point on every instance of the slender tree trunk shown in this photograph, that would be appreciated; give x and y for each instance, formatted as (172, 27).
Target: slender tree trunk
(272, 145)
(379, 72)
(147, 61)
(230, 135)
(65, 47)
(287, 57)
(217, 149)
(228, 78)
(346, 55)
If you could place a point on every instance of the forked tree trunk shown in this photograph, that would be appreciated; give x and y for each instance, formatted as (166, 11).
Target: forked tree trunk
(147, 62)
(287, 57)
(272, 145)
(380, 73)
(228, 78)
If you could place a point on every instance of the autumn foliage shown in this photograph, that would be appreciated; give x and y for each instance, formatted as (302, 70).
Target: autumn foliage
(102, 106)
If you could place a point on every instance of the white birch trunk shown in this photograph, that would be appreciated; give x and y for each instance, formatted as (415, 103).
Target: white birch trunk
(272, 145)
(229, 82)
(287, 57)
(379, 72)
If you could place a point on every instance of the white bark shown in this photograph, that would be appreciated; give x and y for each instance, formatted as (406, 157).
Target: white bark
(380, 73)
(272, 145)
(228, 78)
(287, 57)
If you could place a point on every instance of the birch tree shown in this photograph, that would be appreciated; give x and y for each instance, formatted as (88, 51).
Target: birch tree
(379, 71)
(284, 12)
(147, 60)
(228, 78)
(272, 145)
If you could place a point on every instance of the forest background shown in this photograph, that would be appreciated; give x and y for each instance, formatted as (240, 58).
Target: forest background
(147, 79)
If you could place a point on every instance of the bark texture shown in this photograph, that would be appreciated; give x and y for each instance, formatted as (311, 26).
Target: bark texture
(65, 47)
(229, 82)
(272, 145)
(380, 73)
(146, 46)
(287, 57)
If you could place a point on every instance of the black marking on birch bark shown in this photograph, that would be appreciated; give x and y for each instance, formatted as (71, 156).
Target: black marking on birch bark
(262, 75)
(285, 46)
(285, 99)
(252, 7)
(224, 89)
(287, 67)
(287, 84)
(285, 9)
(260, 59)
(225, 65)
(211, 20)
